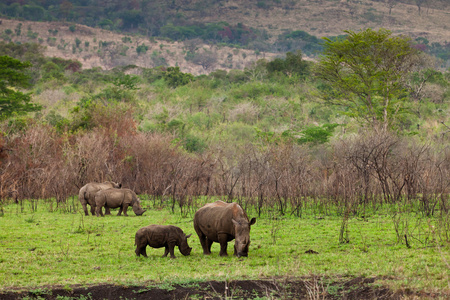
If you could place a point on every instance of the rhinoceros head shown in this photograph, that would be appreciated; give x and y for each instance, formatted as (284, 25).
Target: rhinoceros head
(137, 208)
(184, 247)
(116, 185)
(242, 236)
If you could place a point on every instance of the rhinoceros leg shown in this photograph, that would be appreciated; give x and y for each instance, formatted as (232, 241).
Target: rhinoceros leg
(141, 250)
(107, 210)
(171, 247)
(98, 211)
(125, 207)
(93, 210)
(120, 211)
(85, 208)
(166, 251)
(223, 241)
(204, 241)
(208, 245)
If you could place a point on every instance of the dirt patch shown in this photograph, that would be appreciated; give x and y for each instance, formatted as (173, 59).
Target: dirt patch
(307, 288)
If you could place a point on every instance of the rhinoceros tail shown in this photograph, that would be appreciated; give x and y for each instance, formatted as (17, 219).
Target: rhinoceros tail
(81, 194)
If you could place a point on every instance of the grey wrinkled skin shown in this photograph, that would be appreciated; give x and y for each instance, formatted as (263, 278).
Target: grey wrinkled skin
(87, 192)
(222, 222)
(114, 198)
(158, 236)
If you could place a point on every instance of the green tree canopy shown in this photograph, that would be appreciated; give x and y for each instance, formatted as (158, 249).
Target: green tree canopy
(366, 72)
(174, 77)
(12, 76)
(293, 64)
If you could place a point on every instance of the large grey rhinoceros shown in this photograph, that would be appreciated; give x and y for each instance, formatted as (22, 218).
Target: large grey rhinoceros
(87, 192)
(113, 198)
(158, 236)
(222, 222)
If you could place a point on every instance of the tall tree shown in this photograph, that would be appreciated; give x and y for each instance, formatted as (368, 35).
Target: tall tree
(365, 72)
(390, 4)
(13, 76)
(419, 4)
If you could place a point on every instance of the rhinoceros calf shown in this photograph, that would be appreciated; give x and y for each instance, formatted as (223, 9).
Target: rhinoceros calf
(87, 192)
(113, 198)
(222, 222)
(158, 236)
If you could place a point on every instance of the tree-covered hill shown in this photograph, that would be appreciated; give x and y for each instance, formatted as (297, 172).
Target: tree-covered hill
(96, 47)
(259, 19)
(268, 26)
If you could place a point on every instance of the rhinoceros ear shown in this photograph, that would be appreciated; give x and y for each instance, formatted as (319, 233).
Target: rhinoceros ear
(188, 236)
(252, 221)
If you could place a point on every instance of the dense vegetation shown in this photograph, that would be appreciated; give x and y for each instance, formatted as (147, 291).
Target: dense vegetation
(96, 124)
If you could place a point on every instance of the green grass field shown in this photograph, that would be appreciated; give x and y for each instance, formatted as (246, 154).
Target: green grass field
(55, 246)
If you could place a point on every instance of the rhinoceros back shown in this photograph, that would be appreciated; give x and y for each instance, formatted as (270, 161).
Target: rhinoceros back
(89, 190)
(215, 218)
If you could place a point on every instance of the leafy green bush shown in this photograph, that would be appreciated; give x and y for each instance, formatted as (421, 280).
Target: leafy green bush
(202, 122)
(51, 41)
(317, 134)
(51, 70)
(57, 121)
(194, 143)
(141, 49)
(106, 24)
(256, 90)
(174, 77)
(298, 39)
(175, 125)
(53, 31)
(154, 74)
(77, 42)
(293, 64)
(33, 12)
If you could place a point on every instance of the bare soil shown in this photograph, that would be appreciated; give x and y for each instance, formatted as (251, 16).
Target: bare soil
(306, 288)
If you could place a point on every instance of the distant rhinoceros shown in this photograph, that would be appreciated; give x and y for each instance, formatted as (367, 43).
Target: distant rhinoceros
(113, 198)
(87, 192)
(222, 222)
(158, 236)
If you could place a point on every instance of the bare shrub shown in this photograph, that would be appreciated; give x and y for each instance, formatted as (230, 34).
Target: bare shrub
(33, 163)
(193, 44)
(88, 158)
(3, 150)
(275, 178)
(51, 97)
(433, 92)
(116, 119)
(384, 168)
(245, 112)
(348, 175)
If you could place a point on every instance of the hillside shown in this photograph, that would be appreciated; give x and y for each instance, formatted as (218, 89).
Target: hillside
(97, 47)
(330, 18)
(106, 49)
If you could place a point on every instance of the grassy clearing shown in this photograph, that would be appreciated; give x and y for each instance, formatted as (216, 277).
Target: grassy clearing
(52, 247)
